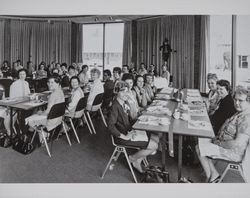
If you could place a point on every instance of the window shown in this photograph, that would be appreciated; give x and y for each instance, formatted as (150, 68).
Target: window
(243, 50)
(102, 45)
(220, 46)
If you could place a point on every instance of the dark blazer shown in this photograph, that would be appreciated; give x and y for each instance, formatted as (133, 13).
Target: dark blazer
(225, 110)
(118, 121)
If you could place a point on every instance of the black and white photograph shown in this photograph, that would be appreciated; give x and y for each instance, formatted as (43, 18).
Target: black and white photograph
(149, 99)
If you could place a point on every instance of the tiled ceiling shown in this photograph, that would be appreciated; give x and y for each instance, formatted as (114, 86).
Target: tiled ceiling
(81, 18)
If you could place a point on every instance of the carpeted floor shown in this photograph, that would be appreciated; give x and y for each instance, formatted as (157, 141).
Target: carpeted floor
(84, 163)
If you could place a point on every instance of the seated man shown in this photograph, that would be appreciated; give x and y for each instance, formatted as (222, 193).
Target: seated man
(232, 139)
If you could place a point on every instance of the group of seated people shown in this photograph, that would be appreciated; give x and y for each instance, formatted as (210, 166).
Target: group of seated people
(229, 114)
(129, 92)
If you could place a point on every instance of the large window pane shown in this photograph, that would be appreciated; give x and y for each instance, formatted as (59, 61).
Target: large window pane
(220, 46)
(113, 45)
(243, 50)
(93, 45)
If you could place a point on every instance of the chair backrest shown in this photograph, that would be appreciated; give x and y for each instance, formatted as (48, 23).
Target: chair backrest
(97, 103)
(5, 82)
(82, 103)
(57, 110)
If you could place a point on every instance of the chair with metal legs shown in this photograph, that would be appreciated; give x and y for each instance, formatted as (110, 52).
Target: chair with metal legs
(96, 106)
(56, 111)
(116, 153)
(79, 114)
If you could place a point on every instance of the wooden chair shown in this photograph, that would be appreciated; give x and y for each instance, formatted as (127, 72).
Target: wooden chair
(56, 111)
(116, 153)
(96, 106)
(79, 114)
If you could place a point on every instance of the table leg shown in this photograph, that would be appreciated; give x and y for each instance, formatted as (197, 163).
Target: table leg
(180, 156)
(163, 145)
(11, 122)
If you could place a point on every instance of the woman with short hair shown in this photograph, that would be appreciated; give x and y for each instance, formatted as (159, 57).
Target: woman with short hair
(226, 105)
(119, 126)
(96, 88)
(232, 139)
(213, 96)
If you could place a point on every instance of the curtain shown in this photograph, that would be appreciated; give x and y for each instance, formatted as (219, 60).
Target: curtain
(37, 41)
(2, 39)
(180, 31)
(204, 52)
(127, 44)
(77, 39)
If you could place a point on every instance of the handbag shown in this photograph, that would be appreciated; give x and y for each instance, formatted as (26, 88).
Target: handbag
(4, 140)
(22, 145)
(155, 174)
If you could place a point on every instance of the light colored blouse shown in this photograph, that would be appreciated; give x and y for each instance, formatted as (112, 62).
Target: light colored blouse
(234, 136)
(19, 88)
(213, 99)
(96, 88)
(133, 105)
(76, 95)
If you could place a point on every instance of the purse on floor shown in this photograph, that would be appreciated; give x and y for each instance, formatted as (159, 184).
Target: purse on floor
(22, 145)
(4, 140)
(155, 174)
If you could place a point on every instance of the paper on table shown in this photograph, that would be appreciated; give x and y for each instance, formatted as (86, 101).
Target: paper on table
(34, 103)
(207, 148)
(153, 120)
(167, 90)
(159, 110)
(162, 96)
(197, 112)
(159, 103)
(138, 135)
(199, 124)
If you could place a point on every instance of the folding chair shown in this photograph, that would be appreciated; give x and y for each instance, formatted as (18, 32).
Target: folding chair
(79, 114)
(117, 151)
(96, 106)
(56, 111)
(237, 166)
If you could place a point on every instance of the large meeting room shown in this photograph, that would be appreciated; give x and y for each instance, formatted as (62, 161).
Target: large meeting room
(129, 98)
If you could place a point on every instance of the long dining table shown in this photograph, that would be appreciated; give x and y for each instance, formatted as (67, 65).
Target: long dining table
(27, 103)
(195, 122)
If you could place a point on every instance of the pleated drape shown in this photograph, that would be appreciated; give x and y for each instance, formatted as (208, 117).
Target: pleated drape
(37, 41)
(180, 31)
(127, 44)
(204, 52)
(2, 23)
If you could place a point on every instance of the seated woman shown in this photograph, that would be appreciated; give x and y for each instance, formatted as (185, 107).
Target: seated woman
(96, 88)
(142, 70)
(108, 89)
(165, 73)
(226, 105)
(149, 87)
(119, 126)
(213, 96)
(76, 95)
(131, 99)
(55, 97)
(83, 75)
(19, 88)
(139, 92)
(41, 73)
(232, 139)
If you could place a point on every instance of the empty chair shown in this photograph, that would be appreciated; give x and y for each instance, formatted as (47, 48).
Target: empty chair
(96, 106)
(116, 153)
(56, 111)
(79, 114)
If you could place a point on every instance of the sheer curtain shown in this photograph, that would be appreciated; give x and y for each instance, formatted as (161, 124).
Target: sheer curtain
(127, 44)
(204, 52)
(180, 31)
